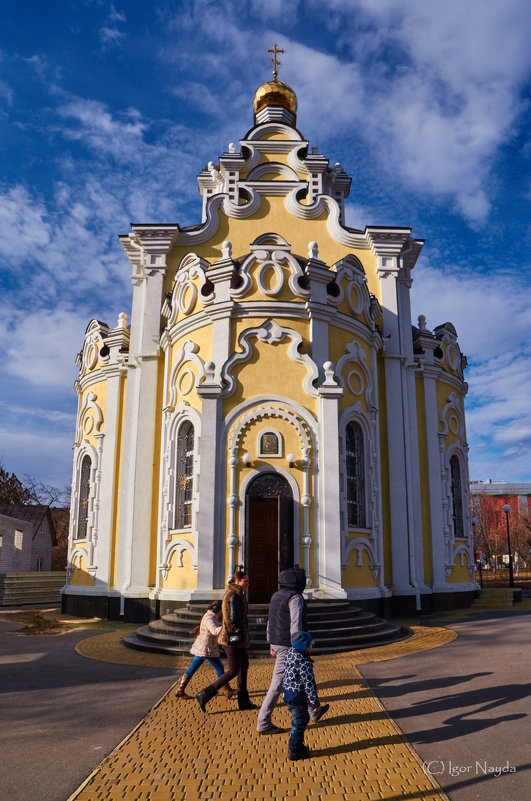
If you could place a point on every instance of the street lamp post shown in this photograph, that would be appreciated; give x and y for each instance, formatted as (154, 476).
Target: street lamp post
(474, 521)
(507, 509)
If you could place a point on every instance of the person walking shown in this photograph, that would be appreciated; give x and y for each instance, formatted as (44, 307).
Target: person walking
(287, 617)
(300, 694)
(234, 638)
(205, 649)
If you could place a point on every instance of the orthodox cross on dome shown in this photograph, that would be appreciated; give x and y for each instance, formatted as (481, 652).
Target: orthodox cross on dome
(276, 63)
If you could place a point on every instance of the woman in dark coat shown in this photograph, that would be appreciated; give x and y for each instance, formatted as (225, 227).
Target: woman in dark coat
(234, 638)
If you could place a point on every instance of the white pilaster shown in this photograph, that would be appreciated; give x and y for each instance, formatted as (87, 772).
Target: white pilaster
(329, 536)
(146, 249)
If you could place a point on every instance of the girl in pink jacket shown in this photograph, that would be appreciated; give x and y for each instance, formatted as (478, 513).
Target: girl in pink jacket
(205, 649)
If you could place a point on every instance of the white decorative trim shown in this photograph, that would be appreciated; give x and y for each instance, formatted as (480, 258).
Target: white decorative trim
(368, 425)
(89, 403)
(259, 413)
(354, 354)
(274, 167)
(79, 553)
(187, 353)
(173, 419)
(270, 258)
(93, 501)
(451, 417)
(360, 544)
(271, 333)
(178, 546)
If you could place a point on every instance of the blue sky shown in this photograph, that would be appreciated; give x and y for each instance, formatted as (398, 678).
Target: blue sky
(108, 111)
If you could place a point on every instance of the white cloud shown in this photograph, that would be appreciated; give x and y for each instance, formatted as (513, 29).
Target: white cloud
(40, 346)
(110, 34)
(22, 222)
(48, 458)
(492, 315)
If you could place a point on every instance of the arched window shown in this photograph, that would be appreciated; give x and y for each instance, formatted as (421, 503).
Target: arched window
(355, 476)
(83, 503)
(457, 496)
(185, 476)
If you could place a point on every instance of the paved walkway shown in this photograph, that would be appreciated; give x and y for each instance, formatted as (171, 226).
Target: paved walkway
(177, 753)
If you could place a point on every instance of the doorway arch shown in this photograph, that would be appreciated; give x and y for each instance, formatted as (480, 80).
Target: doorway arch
(269, 534)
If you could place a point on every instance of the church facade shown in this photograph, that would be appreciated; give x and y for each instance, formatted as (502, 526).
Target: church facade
(270, 403)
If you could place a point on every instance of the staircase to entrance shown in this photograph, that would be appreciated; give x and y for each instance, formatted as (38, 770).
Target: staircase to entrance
(336, 626)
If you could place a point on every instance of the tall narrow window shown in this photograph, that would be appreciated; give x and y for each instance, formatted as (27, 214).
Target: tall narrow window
(185, 476)
(457, 497)
(84, 493)
(355, 476)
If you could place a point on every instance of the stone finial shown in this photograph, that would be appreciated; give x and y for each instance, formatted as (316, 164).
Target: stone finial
(313, 250)
(329, 368)
(422, 322)
(226, 250)
(232, 147)
(122, 320)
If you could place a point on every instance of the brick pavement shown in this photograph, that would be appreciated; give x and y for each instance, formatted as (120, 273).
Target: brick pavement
(177, 753)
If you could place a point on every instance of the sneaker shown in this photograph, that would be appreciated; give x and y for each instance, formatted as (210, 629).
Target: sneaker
(271, 729)
(322, 710)
(302, 753)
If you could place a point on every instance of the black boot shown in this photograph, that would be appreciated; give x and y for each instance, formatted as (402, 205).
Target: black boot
(301, 753)
(205, 695)
(244, 702)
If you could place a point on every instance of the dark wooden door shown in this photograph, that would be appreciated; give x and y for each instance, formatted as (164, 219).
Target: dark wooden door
(263, 549)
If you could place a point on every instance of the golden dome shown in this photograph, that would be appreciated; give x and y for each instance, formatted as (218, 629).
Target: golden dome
(275, 93)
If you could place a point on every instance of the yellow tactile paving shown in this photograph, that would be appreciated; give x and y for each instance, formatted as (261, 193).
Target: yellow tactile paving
(177, 753)
(109, 648)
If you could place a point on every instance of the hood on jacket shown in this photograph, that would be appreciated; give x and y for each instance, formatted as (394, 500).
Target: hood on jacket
(294, 578)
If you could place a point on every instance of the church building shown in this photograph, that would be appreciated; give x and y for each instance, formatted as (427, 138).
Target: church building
(270, 403)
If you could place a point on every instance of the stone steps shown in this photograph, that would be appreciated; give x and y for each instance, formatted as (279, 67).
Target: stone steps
(494, 598)
(335, 626)
(26, 589)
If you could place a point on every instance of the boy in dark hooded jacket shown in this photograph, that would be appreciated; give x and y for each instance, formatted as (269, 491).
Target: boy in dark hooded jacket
(287, 617)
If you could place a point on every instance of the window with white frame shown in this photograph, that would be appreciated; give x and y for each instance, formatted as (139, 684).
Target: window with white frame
(457, 496)
(83, 501)
(185, 476)
(355, 474)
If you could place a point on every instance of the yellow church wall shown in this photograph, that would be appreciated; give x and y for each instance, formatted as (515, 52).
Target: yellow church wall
(118, 480)
(181, 577)
(424, 485)
(185, 386)
(460, 573)
(269, 370)
(338, 339)
(90, 418)
(189, 297)
(272, 216)
(80, 577)
(274, 135)
(358, 575)
(385, 488)
(454, 434)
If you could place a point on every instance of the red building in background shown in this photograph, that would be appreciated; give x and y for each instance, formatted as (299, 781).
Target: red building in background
(490, 527)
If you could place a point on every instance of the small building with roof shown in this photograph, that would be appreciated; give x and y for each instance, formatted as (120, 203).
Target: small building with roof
(270, 403)
(27, 536)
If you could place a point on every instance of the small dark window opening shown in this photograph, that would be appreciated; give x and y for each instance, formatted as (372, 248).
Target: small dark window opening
(355, 476)
(185, 476)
